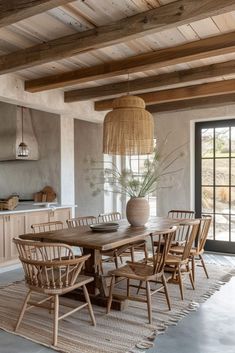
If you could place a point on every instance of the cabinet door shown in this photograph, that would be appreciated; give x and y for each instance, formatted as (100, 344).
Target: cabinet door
(60, 215)
(35, 218)
(2, 240)
(14, 225)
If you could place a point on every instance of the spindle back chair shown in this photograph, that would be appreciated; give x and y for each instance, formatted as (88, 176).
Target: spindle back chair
(197, 251)
(109, 217)
(178, 262)
(81, 221)
(145, 273)
(181, 232)
(47, 226)
(52, 269)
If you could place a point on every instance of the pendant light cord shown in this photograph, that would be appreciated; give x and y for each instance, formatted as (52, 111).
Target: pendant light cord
(128, 83)
(22, 118)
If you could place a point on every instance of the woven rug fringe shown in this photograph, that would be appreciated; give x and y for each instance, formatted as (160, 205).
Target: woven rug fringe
(193, 306)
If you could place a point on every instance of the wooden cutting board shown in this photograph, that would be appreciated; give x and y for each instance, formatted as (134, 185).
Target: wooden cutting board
(50, 194)
(47, 194)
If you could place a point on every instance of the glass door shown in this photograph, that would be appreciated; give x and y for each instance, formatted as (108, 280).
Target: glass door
(215, 181)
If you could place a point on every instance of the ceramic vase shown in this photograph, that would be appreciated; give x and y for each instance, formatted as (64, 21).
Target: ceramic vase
(137, 211)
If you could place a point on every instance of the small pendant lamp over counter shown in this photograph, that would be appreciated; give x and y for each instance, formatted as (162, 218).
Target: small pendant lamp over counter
(128, 128)
(23, 150)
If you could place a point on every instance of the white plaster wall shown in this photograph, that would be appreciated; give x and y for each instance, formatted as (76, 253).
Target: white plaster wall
(87, 145)
(67, 161)
(180, 124)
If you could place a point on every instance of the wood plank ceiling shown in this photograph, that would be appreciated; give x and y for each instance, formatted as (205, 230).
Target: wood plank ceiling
(89, 48)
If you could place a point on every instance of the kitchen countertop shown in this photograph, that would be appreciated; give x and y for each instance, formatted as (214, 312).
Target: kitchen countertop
(33, 207)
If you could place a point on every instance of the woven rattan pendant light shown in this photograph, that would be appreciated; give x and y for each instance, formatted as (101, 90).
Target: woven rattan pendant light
(128, 128)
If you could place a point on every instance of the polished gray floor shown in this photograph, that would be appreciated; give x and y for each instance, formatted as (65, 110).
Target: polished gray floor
(11, 343)
(209, 330)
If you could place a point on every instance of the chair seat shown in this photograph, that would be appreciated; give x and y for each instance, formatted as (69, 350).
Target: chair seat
(80, 281)
(134, 270)
(174, 260)
(173, 243)
(180, 249)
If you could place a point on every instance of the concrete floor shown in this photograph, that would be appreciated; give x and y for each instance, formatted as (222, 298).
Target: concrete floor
(209, 330)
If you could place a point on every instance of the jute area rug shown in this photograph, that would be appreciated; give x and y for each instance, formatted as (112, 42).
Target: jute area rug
(118, 332)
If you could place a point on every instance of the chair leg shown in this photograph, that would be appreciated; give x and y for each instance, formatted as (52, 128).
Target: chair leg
(190, 276)
(180, 283)
(116, 261)
(193, 268)
(51, 305)
(128, 287)
(146, 252)
(149, 304)
(203, 265)
(110, 295)
(166, 292)
(89, 305)
(100, 266)
(23, 310)
(138, 289)
(132, 254)
(56, 319)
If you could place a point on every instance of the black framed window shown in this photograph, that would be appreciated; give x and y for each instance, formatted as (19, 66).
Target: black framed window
(215, 180)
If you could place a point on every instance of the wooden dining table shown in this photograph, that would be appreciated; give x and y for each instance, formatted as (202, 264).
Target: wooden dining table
(93, 242)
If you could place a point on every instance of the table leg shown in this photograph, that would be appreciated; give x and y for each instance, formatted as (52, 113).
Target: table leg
(98, 290)
(92, 269)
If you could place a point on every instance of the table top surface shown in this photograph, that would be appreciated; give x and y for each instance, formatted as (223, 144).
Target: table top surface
(86, 238)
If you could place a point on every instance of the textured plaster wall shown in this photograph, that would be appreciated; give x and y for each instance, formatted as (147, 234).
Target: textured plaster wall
(87, 144)
(67, 161)
(180, 125)
(28, 177)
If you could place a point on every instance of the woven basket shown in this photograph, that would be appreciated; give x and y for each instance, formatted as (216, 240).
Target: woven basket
(9, 204)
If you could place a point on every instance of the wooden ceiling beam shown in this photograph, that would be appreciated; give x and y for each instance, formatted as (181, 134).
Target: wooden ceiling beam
(156, 81)
(12, 11)
(202, 49)
(197, 103)
(178, 94)
(156, 20)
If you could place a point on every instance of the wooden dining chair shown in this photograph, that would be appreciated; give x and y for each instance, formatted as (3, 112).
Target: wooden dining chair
(178, 263)
(47, 226)
(129, 252)
(121, 252)
(145, 274)
(109, 217)
(198, 250)
(53, 270)
(182, 230)
(81, 221)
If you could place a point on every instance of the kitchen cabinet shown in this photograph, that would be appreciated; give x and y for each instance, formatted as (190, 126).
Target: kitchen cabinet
(60, 215)
(11, 226)
(14, 224)
(35, 218)
(2, 240)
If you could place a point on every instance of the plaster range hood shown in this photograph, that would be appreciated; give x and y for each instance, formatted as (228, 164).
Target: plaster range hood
(11, 135)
